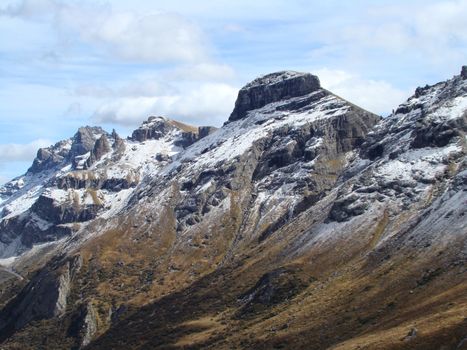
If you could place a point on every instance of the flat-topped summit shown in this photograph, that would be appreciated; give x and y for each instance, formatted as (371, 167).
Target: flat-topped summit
(277, 77)
(273, 87)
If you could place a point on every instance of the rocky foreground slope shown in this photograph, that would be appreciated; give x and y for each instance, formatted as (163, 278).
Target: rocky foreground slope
(305, 222)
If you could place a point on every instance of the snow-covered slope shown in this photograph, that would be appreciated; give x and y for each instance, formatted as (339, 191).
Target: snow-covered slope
(421, 145)
(88, 176)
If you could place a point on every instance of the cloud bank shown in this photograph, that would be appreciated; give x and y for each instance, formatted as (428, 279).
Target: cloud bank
(374, 95)
(155, 37)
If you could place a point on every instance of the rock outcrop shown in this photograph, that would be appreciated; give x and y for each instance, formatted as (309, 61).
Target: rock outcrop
(273, 87)
(84, 140)
(44, 297)
(101, 147)
(154, 128)
(84, 325)
(49, 158)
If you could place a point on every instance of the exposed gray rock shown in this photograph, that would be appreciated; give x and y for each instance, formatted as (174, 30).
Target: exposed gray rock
(45, 221)
(70, 181)
(204, 131)
(438, 133)
(118, 146)
(46, 208)
(63, 289)
(347, 207)
(157, 127)
(415, 132)
(70, 166)
(50, 157)
(101, 147)
(462, 344)
(84, 324)
(84, 140)
(30, 229)
(45, 296)
(90, 323)
(187, 139)
(273, 88)
(464, 72)
(154, 128)
(87, 139)
(272, 288)
(411, 335)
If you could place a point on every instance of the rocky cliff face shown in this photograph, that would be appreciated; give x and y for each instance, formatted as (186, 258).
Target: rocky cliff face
(275, 87)
(304, 222)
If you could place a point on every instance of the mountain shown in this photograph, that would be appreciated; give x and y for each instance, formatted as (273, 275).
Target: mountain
(305, 222)
(80, 179)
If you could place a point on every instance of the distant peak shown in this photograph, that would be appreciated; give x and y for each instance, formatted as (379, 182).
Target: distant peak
(155, 119)
(271, 88)
(90, 129)
(164, 122)
(157, 127)
(84, 139)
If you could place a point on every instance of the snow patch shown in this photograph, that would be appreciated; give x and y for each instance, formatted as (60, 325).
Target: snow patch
(452, 109)
(7, 262)
(425, 164)
(21, 204)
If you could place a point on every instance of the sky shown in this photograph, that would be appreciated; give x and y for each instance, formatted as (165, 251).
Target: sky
(65, 64)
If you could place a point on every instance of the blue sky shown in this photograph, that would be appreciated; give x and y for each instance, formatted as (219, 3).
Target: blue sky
(64, 64)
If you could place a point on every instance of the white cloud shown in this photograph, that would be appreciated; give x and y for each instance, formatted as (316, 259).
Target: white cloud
(438, 29)
(125, 111)
(29, 8)
(15, 152)
(175, 86)
(157, 83)
(209, 103)
(205, 71)
(146, 87)
(156, 36)
(376, 96)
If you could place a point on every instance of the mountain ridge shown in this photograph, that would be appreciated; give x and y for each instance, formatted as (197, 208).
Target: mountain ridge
(266, 232)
